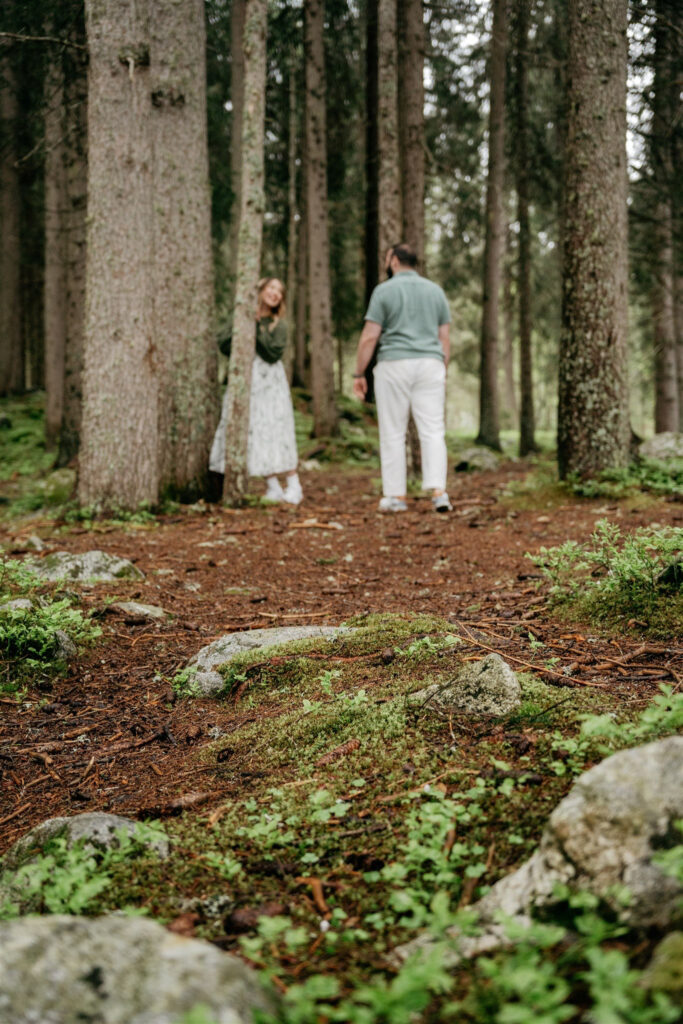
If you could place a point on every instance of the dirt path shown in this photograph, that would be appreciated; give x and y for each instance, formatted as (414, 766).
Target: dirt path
(112, 737)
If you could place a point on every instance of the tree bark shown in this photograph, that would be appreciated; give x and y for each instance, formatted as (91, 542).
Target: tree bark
(183, 267)
(292, 214)
(411, 123)
(11, 345)
(527, 441)
(76, 173)
(593, 418)
(248, 251)
(54, 309)
(389, 203)
(371, 150)
(119, 461)
(321, 343)
(489, 428)
(302, 375)
(237, 16)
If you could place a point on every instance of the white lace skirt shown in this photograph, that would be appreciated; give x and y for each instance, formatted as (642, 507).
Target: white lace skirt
(271, 447)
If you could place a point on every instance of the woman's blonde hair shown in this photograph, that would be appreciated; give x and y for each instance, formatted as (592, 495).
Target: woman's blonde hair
(278, 313)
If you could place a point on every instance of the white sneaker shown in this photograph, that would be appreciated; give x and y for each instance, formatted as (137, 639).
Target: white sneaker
(293, 493)
(274, 491)
(388, 504)
(441, 503)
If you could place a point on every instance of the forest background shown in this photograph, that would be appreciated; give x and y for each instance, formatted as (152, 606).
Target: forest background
(475, 174)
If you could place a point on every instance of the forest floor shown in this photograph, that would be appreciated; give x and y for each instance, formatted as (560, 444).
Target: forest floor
(114, 735)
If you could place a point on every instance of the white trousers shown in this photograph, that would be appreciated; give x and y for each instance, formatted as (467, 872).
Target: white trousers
(403, 386)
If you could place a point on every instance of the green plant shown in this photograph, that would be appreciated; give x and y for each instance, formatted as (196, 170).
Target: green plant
(68, 879)
(184, 683)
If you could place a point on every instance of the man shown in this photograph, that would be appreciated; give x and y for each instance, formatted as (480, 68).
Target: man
(409, 317)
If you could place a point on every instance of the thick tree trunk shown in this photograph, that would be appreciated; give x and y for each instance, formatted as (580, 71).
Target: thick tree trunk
(183, 267)
(593, 419)
(527, 441)
(119, 461)
(677, 195)
(389, 204)
(411, 122)
(237, 15)
(11, 346)
(493, 251)
(56, 202)
(371, 239)
(248, 251)
(322, 347)
(302, 375)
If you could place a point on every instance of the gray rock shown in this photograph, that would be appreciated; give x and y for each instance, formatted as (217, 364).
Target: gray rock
(207, 681)
(66, 648)
(18, 604)
(118, 970)
(667, 445)
(97, 829)
(144, 612)
(600, 839)
(487, 687)
(602, 836)
(477, 458)
(89, 567)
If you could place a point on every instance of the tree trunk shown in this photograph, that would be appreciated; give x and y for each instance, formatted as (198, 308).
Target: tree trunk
(183, 268)
(371, 150)
(237, 15)
(292, 215)
(593, 419)
(389, 203)
(411, 122)
(527, 441)
(76, 173)
(119, 461)
(11, 346)
(322, 348)
(248, 251)
(56, 202)
(509, 319)
(663, 272)
(493, 250)
(302, 375)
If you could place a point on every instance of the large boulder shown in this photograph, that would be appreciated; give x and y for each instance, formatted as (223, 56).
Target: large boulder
(667, 445)
(118, 970)
(602, 837)
(88, 567)
(477, 458)
(97, 830)
(206, 680)
(486, 687)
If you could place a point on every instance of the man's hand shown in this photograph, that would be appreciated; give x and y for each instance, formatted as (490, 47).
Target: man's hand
(360, 387)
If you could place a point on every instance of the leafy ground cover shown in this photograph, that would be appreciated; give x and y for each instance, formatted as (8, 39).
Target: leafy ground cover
(317, 818)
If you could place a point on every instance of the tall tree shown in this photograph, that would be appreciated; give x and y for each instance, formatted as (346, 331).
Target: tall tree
(593, 419)
(182, 279)
(248, 251)
(411, 122)
(321, 343)
(11, 347)
(527, 442)
(146, 381)
(389, 207)
(371, 149)
(489, 427)
(237, 68)
(663, 276)
(55, 250)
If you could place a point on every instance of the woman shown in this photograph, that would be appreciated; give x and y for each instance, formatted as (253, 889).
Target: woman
(271, 446)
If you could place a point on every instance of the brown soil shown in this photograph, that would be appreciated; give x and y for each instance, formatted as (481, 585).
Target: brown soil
(112, 737)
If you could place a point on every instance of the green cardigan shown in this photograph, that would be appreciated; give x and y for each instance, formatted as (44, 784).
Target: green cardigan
(270, 344)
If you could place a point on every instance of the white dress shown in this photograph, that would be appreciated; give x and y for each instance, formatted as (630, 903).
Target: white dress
(271, 447)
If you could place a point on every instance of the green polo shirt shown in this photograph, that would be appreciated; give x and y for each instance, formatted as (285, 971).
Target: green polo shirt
(409, 309)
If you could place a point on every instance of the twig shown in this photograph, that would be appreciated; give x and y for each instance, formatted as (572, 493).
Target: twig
(14, 814)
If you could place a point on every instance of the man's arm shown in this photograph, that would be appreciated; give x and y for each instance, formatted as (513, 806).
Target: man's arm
(369, 337)
(444, 338)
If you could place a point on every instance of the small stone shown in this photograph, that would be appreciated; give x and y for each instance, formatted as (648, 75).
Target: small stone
(88, 567)
(486, 687)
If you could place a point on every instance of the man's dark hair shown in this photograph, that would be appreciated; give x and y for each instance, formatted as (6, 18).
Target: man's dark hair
(404, 254)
